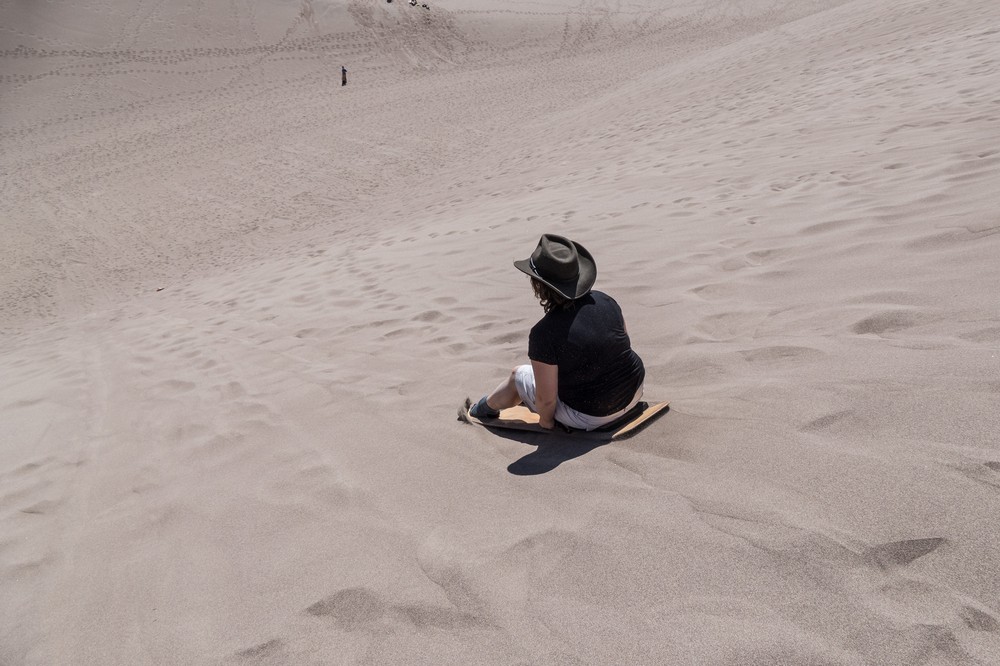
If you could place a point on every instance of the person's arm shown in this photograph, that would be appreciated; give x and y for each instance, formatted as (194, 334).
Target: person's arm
(546, 392)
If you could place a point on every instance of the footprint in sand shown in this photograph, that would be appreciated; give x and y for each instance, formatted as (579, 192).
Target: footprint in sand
(978, 620)
(901, 553)
(351, 608)
(355, 608)
(172, 387)
(824, 422)
(779, 353)
(983, 335)
(885, 322)
(269, 652)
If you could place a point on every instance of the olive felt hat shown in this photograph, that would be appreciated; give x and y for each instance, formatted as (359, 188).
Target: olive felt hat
(562, 264)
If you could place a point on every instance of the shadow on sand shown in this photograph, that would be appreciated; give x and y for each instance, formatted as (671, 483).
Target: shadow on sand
(552, 450)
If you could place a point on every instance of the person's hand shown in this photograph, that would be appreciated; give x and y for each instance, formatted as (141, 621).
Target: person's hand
(547, 424)
(556, 426)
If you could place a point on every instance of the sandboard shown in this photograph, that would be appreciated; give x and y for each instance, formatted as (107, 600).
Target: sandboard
(522, 418)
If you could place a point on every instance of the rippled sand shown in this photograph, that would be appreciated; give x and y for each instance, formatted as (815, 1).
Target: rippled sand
(240, 303)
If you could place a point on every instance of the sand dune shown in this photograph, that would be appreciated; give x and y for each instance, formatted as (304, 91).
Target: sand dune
(239, 304)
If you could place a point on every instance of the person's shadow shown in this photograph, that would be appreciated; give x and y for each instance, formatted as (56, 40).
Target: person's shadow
(556, 447)
(553, 449)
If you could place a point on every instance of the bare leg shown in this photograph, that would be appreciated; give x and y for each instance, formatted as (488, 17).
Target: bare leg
(505, 395)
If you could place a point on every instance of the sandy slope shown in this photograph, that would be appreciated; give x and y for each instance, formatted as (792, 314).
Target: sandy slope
(795, 204)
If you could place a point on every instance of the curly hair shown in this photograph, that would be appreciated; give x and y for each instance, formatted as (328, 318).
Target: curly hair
(548, 297)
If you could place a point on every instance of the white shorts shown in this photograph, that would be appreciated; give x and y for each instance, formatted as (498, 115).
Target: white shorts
(524, 380)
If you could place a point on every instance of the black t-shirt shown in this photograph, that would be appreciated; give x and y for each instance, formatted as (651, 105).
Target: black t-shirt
(598, 371)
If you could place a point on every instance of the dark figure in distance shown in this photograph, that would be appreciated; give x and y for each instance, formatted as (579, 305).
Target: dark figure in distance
(343, 75)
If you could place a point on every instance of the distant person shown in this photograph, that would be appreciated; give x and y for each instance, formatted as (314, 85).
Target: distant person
(583, 372)
(343, 75)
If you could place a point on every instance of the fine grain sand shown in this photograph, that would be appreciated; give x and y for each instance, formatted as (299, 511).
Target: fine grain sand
(240, 303)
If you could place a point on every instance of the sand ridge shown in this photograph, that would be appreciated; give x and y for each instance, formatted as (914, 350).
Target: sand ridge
(240, 306)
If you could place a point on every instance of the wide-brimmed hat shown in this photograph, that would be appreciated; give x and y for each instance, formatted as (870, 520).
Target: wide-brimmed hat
(562, 264)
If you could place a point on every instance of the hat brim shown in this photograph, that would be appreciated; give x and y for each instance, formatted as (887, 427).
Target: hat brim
(572, 289)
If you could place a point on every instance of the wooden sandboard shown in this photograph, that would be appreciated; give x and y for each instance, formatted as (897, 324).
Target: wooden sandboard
(522, 418)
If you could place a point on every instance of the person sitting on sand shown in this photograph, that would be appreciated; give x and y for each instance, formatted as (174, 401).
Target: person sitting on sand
(583, 372)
